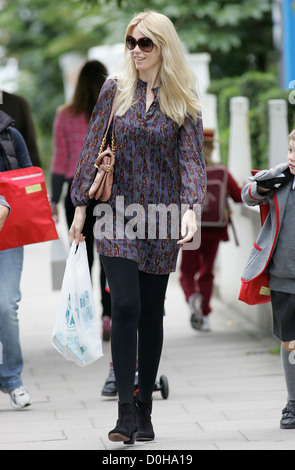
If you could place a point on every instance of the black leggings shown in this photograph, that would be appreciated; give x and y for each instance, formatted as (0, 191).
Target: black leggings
(137, 300)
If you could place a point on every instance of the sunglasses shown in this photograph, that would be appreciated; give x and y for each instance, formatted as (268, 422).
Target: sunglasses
(144, 44)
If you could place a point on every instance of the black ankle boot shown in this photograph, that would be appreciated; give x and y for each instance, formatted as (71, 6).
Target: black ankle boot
(143, 415)
(126, 427)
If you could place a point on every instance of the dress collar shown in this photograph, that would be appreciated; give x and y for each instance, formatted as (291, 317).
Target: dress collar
(144, 84)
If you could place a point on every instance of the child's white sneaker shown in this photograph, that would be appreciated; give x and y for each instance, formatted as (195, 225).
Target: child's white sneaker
(206, 324)
(196, 316)
(20, 398)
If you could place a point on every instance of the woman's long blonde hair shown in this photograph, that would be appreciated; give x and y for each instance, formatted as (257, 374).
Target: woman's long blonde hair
(177, 94)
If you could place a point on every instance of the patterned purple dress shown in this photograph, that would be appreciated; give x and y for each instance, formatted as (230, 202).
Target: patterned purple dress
(157, 162)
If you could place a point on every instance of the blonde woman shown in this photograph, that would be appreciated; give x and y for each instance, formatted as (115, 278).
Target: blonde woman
(159, 160)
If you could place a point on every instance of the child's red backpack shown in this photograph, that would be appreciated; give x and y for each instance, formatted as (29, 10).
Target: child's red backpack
(216, 212)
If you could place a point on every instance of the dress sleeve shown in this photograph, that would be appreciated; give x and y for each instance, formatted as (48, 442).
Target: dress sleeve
(192, 163)
(85, 171)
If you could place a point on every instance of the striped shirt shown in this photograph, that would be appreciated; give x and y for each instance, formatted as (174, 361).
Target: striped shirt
(69, 131)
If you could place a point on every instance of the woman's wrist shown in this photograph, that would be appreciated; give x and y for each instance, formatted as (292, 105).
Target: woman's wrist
(81, 209)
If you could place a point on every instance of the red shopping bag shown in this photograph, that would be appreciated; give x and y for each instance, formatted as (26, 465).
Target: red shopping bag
(30, 220)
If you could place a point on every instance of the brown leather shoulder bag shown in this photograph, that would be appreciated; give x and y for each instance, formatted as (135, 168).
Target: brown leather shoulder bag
(101, 187)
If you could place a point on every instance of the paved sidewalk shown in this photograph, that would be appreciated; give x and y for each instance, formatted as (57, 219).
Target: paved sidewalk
(226, 390)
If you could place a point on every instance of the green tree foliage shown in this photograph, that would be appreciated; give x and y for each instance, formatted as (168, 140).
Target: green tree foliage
(237, 34)
(39, 32)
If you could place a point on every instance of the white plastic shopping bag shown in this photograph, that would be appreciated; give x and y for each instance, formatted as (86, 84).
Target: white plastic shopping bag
(76, 332)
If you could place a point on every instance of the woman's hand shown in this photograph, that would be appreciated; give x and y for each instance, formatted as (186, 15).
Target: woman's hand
(78, 224)
(188, 226)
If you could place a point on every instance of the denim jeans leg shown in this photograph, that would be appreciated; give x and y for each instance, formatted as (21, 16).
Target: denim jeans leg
(11, 361)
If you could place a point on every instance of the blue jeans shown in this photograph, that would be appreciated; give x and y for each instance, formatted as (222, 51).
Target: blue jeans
(11, 361)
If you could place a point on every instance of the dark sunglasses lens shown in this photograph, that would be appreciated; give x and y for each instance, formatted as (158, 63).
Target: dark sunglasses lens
(145, 44)
(130, 43)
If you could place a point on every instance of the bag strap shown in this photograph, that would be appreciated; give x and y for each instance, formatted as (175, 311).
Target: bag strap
(112, 111)
(104, 139)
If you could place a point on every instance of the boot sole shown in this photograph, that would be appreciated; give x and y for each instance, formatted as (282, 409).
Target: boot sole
(118, 437)
(109, 394)
(145, 439)
(287, 426)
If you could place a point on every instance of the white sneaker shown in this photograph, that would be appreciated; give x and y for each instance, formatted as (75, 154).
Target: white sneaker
(20, 398)
(206, 324)
(195, 305)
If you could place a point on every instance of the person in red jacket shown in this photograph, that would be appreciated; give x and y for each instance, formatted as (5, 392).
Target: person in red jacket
(197, 266)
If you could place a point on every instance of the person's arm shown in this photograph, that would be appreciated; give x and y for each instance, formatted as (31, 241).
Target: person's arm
(29, 133)
(4, 211)
(78, 224)
(233, 188)
(60, 149)
(188, 226)
(192, 174)
(21, 150)
(59, 160)
(24, 161)
(264, 182)
(252, 195)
